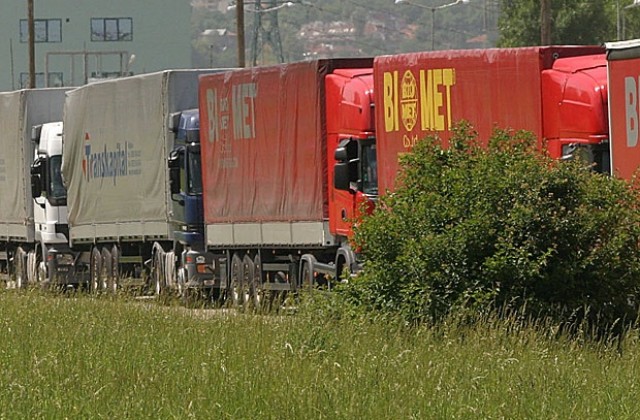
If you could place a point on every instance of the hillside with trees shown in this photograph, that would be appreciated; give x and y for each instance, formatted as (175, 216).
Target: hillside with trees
(356, 28)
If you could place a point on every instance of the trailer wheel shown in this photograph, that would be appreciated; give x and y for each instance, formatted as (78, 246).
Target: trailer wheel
(235, 283)
(45, 283)
(170, 271)
(249, 290)
(95, 268)
(115, 269)
(32, 267)
(157, 271)
(20, 268)
(106, 277)
(181, 280)
(256, 283)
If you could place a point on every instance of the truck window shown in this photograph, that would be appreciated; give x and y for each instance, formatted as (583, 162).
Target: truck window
(56, 187)
(369, 168)
(194, 176)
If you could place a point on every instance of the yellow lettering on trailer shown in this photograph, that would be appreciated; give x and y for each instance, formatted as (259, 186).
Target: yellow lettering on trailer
(426, 98)
(435, 92)
(390, 93)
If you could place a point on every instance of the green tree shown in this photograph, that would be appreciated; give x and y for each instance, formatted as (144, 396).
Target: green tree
(582, 22)
(500, 226)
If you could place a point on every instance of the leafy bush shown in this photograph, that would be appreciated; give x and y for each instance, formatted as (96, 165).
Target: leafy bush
(478, 227)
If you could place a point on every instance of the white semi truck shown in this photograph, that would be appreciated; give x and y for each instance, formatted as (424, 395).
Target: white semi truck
(25, 233)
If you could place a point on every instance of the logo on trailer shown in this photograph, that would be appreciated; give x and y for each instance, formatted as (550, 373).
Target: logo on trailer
(114, 163)
(234, 114)
(417, 100)
(409, 101)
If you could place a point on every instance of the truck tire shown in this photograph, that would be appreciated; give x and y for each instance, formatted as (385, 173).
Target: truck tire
(235, 281)
(256, 283)
(20, 268)
(157, 271)
(95, 268)
(170, 270)
(32, 267)
(249, 290)
(115, 269)
(105, 270)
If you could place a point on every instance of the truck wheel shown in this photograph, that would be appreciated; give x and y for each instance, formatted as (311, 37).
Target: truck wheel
(20, 268)
(95, 267)
(170, 270)
(256, 283)
(235, 282)
(105, 270)
(32, 267)
(115, 269)
(157, 272)
(181, 280)
(42, 276)
(248, 273)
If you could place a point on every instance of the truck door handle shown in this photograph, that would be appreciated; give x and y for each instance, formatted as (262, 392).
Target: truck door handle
(343, 213)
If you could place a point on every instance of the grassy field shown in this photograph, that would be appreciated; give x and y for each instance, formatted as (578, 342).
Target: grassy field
(84, 357)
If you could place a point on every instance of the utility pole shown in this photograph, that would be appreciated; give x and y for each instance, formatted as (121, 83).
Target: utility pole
(545, 22)
(240, 32)
(32, 43)
(266, 30)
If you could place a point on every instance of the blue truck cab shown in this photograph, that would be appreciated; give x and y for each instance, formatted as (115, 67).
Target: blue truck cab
(185, 178)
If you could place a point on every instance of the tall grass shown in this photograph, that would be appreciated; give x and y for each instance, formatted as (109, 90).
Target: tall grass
(82, 357)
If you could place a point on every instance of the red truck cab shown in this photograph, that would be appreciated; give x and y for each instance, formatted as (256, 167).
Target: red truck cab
(574, 92)
(351, 145)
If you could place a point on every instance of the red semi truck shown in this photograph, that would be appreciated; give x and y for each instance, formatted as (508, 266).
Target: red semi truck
(290, 152)
(268, 139)
(557, 93)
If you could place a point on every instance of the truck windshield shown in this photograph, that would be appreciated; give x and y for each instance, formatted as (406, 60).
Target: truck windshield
(194, 171)
(369, 168)
(56, 187)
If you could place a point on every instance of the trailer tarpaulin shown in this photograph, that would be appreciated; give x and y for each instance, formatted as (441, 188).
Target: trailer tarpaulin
(19, 111)
(263, 145)
(116, 142)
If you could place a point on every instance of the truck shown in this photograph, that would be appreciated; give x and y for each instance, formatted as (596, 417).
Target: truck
(268, 137)
(292, 153)
(24, 233)
(623, 60)
(239, 183)
(117, 136)
(558, 93)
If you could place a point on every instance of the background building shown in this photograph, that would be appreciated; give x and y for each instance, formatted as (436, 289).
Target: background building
(78, 40)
